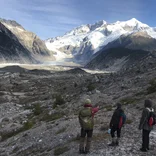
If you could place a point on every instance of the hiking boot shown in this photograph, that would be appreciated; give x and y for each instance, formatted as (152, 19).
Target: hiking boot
(117, 142)
(143, 149)
(81, 152)
(112, 144)
(86, 152)
(148, 148)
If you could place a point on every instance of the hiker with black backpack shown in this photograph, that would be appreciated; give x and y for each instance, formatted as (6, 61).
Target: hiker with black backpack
(86, 120)
(117, 121)
(146, 124)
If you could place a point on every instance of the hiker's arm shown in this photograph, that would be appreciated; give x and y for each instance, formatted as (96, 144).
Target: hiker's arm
(94, 110)
(143, 119)
(110, 124)
(80, 120)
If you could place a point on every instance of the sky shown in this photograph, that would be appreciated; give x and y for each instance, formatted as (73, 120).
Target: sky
(52, 18)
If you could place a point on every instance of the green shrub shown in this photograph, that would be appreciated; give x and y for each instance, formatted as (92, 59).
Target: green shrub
(60, 150)
(51, 117)
(90, 87)
(127, 100)
(28, 125)
(152, 87)
(37, 109)
(129, 121)
(108, 107)
(58, 101)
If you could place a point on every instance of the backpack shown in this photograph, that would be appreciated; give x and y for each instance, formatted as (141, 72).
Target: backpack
(151, 119)
(122, 119)
(86, 119)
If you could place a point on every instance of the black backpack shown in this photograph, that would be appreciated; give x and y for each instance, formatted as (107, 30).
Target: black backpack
(151, 119)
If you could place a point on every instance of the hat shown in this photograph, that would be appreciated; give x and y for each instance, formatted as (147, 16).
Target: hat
(87, 101)
(148, 103)
(118, 105)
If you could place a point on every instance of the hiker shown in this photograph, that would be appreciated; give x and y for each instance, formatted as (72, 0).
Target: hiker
(86, 120)
(117, 121)
(145, 125)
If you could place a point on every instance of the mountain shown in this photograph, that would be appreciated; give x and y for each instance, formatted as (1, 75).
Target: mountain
(83, 42)
(11, 50)
(29, 40)
(123, 52)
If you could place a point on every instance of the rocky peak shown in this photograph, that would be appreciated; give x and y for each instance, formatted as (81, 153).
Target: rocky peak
(11, 23)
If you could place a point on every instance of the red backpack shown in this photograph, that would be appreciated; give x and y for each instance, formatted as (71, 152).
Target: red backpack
(122, 119)
(151, 119)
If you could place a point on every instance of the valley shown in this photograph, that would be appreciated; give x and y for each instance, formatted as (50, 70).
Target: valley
(39, 110)
(43, 85)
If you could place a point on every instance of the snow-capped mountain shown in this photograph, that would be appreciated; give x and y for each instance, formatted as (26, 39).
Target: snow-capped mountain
(83, 42)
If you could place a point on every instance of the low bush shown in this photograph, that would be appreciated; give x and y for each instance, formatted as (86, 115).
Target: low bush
(90, 87)
(108, 107)
(128, 100)
(28, 125)
(152, 87)
(58, 101)
(51, 117)
(37, 110)
(129, 121)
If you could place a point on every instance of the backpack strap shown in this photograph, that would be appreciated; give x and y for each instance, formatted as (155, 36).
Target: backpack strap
(150, 110)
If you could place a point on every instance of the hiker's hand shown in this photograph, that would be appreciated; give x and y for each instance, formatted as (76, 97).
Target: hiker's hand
(98, 107)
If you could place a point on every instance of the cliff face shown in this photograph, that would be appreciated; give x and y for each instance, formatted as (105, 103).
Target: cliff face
(11, 50)
(29, 40)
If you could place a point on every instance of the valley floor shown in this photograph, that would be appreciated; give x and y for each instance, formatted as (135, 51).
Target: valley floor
(39, 111)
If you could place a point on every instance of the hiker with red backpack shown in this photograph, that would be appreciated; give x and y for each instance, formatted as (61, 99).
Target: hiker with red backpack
(146, 124)
(117, 121)
(86, 120)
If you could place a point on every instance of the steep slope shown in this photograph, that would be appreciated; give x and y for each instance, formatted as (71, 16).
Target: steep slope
(83, 42)
(137, 40)
(123, 52)
(11, 49)
(29, 40)
(115, 59)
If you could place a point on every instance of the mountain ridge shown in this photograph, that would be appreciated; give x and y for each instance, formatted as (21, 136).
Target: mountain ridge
(30, 41)
(86, 41)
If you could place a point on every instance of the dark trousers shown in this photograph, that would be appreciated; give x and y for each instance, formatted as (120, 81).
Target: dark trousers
(85, 133)
(145, 139)
(115, 129)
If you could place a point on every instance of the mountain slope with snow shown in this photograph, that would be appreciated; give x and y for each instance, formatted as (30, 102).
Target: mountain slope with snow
(86, 40)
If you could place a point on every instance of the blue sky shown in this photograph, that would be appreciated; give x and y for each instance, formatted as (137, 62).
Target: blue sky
(51, 18)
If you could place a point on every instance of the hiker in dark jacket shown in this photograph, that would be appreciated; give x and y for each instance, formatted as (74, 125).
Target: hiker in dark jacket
(144, 125)
(86, 121)
(116, 123)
